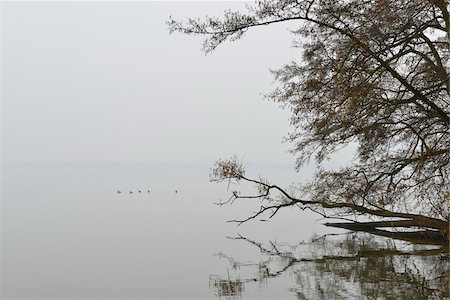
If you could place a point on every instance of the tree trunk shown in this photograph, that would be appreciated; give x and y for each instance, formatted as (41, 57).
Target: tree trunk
(431, 237)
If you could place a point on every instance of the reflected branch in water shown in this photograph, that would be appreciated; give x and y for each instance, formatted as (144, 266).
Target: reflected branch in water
(353, 266)
(226, 287)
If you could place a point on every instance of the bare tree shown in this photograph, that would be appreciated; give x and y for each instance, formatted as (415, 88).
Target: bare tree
(373, 73)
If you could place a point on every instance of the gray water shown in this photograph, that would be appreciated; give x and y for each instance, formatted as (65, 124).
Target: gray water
(68, 234)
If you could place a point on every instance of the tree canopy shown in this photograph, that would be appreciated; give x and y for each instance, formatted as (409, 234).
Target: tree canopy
(372, 73)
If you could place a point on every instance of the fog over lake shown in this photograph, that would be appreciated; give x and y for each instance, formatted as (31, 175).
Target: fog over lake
(98, 97)
(110, 127)
(66, 232)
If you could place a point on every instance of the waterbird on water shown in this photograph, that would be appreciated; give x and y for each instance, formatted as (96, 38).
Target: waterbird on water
(119, 191)
(131, 192)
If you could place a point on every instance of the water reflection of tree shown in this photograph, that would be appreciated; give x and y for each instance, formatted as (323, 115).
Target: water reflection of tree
(358, 266)
(226, 287)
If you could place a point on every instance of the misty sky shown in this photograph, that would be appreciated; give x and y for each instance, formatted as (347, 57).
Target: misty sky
(104, 81)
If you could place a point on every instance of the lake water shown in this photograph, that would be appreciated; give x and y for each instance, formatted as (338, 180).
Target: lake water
(68, 233)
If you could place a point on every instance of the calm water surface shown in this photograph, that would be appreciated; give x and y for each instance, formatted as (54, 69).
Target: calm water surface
(68, 233)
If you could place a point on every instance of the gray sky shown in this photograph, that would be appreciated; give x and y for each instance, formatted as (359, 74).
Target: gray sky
(104, 81)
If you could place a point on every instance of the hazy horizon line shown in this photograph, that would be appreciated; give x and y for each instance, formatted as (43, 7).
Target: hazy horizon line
(199, 163)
